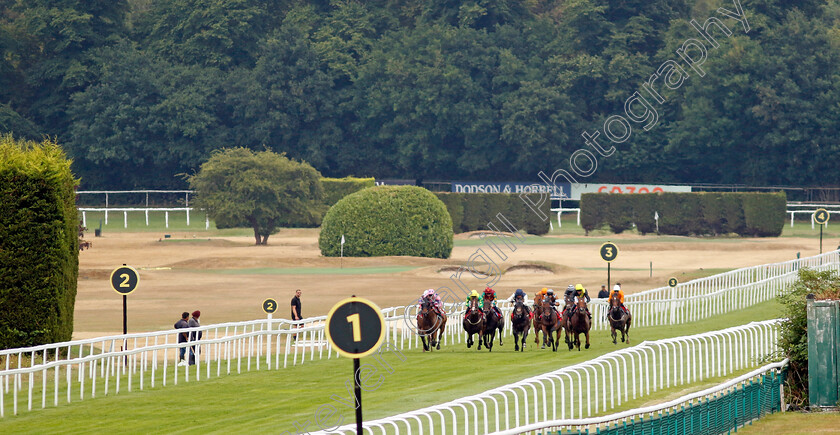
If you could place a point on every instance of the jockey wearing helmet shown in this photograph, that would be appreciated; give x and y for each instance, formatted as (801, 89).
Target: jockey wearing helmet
(474, 294)
(538, 298)
(490, 297)
(552, 299)
(570, 292)
(581, 293)
(617, 290)
(433, 298)
(519, 295)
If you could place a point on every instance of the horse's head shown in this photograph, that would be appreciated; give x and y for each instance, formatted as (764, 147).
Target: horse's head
(615, 300)
(425, 306)
(581, 303)
(616, 312)
(474, 304)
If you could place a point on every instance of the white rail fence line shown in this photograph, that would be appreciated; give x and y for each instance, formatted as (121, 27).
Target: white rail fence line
(590, 387)
(145, 210)
(154, 354)
(651, 411)
(809, 209)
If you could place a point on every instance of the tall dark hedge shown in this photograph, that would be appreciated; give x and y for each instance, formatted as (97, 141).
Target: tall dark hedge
(337, 188)
(473, 211)
(388, 220)
(39, 245)
(696, 213)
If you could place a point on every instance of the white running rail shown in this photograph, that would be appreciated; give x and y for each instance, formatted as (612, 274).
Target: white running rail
(58, 372)
(590, 425)
(591, 387)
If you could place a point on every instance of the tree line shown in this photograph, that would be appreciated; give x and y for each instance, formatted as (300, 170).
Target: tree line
(140, 91)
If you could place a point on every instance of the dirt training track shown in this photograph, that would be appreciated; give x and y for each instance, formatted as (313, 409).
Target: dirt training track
(227, 278)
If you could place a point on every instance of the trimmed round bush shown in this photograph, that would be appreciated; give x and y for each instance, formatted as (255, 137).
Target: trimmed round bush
(388, 220)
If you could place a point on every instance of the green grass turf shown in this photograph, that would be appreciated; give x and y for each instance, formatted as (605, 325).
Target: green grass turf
(314, 270)
(795, 423)
(271, 401)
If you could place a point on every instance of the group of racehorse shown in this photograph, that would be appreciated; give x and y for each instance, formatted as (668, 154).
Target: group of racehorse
(574, 319)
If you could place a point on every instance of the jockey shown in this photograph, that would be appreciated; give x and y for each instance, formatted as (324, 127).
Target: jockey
(474, 294)
(617, 290)
(552, 300)
(434, 298)
(570, 292)
(581, 293)
(538, 297)
(490, 297)
(520, 296)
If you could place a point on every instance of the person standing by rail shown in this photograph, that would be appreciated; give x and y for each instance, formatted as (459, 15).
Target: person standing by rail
(296, 310)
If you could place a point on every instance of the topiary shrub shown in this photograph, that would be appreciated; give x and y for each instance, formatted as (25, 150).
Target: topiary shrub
(39, 244)
(388, 220)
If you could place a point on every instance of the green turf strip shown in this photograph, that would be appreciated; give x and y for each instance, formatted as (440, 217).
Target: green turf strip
(271, 401)
(314, 270)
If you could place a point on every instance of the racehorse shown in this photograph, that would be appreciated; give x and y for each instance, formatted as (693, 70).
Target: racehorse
(619, 319)
(549, 323)
(492, 322)
(579, 323)
(430, 324)
(538, 298)
(520, 321)
(474, 323)
(568, 309)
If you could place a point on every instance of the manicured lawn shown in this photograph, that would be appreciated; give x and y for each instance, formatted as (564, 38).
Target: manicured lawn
(795, 423)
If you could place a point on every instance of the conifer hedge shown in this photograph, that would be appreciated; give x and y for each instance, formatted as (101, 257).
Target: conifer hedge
(39, 244)
(472, 211)
(697, 213)
(337, 188)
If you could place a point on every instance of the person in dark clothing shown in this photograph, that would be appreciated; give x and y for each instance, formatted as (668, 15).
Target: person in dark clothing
(604, 293)
(194, 335)
(296, 306)
(296, 310)
(183, 337)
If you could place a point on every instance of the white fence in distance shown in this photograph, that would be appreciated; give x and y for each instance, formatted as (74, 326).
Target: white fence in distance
(595, 386)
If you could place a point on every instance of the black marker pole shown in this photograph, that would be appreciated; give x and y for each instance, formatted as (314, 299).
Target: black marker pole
(608, 276)
(358, 392)
(357, 388)
(821, 230)
(125, 314)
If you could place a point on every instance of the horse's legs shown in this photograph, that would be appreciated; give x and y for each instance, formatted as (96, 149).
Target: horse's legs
(515, 340)
(524, 336)
(469, 340)
(613, 334)
(587, 339)
(501, 329)
(440, 336)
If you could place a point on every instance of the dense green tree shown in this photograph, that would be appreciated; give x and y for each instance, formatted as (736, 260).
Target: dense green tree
(54, 42)
(145, 121)
(215, 33)
(265, 189)
(286, 100)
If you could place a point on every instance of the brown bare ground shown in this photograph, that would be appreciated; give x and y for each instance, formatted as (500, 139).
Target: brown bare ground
(178, 275)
